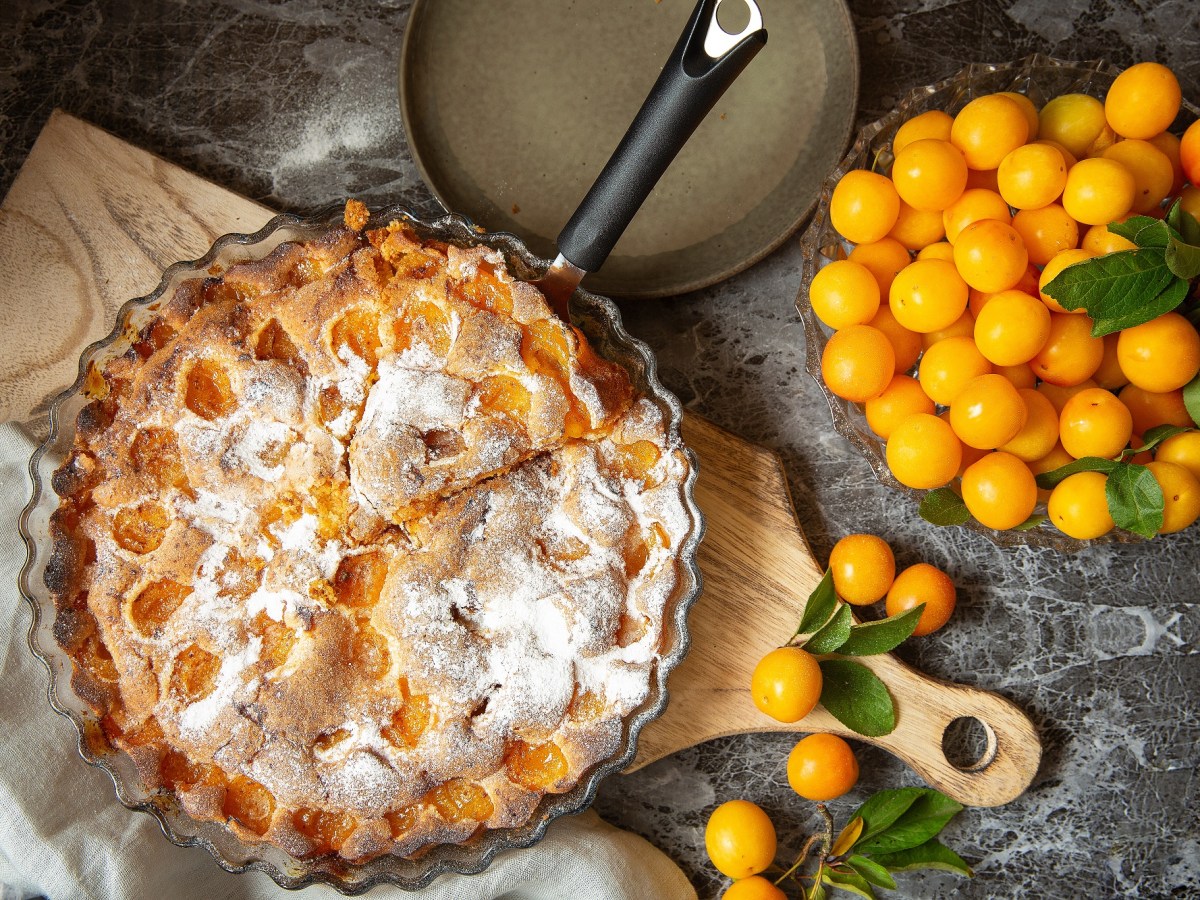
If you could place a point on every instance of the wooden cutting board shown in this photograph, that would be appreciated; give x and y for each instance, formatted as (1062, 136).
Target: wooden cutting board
(92, 221)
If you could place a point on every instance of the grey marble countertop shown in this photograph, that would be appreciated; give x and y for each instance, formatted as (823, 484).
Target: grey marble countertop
(293, 102)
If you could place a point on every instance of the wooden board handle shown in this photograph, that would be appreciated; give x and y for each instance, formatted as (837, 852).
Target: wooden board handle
(928, 706)
(758, 571)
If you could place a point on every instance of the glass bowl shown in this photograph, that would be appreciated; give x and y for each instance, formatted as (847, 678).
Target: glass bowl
(1041, 78)
(601, 322)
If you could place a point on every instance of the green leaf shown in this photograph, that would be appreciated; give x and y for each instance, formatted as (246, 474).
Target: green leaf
(872, 872)
(1142, 230)
(819, 607)
(1183, 259)
(833, 634)
(872, 638)
(1031, 523)
(1083, 464)
(1135, 501)
(927, 816)
(1118, 290)
(817, 892)
(848, 880)
(856, 697)
(1183, 223)
(930, 855)
(1169, 298)
(1153, 438)
(883, 808)
(1191, 399)
(943, 507)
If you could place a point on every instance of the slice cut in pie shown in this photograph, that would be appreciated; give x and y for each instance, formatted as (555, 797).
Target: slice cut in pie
(361, 550)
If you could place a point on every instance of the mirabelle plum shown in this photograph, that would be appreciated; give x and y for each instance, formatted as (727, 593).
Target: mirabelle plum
(740, 839)
(822, 767)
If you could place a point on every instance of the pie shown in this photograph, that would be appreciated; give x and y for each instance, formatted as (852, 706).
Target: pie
(360, 550)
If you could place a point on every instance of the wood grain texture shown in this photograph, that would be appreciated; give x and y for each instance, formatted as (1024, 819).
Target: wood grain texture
(91, 222)
(758, 570)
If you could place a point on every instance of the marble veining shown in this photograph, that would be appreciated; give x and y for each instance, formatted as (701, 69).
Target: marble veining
(294, 103)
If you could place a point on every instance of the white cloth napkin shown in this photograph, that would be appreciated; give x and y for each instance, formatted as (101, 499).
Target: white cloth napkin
(64, 835)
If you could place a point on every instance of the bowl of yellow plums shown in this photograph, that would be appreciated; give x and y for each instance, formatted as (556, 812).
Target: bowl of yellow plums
(999, 301)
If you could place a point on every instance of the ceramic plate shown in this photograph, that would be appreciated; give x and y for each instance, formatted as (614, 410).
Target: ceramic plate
(512, 108)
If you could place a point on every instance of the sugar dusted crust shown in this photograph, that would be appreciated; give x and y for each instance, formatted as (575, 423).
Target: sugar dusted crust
(361, 550)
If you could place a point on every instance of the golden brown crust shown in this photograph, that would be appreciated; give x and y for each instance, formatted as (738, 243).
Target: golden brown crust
(361, 550)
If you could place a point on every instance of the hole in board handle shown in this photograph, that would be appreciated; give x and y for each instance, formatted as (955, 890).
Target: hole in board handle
(969, 744)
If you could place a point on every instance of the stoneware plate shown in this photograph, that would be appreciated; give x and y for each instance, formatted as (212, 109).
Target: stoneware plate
(513, 107)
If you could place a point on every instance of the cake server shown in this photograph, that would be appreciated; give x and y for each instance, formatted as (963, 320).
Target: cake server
(705, 62)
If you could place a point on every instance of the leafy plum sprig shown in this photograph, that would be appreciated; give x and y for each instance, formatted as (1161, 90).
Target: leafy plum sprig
(894, 831)
(851, 692)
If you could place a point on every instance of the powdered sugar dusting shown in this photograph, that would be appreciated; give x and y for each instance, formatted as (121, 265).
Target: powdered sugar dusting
(400, 559)
(258, 438)
(413, 398)
(273, 603)
(300, 535)
(198, 716)
(531, 599)
(363, 782)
